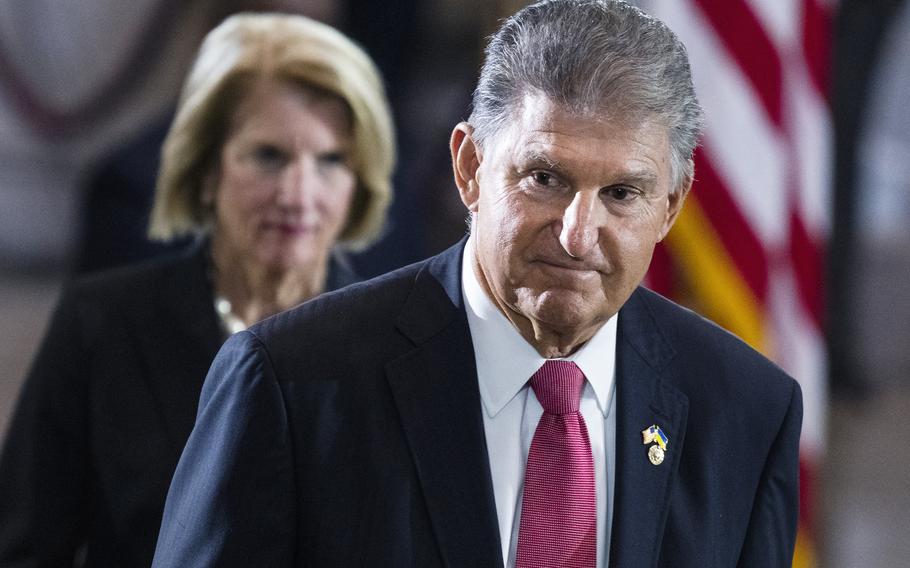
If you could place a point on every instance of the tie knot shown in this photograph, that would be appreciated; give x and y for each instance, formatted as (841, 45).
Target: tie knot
(557, 385)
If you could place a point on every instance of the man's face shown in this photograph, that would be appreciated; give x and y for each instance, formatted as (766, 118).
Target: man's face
(566, 213)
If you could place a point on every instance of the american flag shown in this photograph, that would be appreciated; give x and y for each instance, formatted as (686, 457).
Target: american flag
(747, 249)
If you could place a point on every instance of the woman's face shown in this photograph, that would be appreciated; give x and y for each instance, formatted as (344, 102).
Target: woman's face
(284, 181)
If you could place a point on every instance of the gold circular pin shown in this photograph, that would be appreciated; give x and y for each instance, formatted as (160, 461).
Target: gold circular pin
(656, 455)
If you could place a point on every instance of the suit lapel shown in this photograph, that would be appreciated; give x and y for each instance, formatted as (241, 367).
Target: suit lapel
(642, 490)
(436, 393)
(180, 323)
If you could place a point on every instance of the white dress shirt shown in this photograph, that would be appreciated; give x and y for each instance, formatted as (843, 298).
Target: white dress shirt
(511, 411)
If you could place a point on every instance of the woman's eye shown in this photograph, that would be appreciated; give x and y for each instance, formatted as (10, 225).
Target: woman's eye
(269, 156)
(333, 159)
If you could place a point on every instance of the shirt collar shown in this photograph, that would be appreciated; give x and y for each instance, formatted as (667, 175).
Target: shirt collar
(505, 361)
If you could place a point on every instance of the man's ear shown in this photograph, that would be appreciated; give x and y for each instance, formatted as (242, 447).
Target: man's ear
(675, 203)
(466, 158)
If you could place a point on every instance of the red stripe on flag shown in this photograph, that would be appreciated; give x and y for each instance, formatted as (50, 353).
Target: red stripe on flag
(731, 226)
(661, 273)
(806, 258)
(807, 497)
(746, 40)
(817, 44)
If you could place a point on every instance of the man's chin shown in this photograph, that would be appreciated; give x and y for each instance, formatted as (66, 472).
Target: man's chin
(566, 312)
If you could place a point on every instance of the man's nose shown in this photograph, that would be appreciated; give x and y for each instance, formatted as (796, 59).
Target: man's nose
(581, 222)
(297, 186)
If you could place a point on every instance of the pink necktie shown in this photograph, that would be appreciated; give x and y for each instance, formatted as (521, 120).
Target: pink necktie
(558, 511)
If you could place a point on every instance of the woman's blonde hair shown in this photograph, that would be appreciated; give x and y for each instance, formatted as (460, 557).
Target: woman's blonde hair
(294, 49)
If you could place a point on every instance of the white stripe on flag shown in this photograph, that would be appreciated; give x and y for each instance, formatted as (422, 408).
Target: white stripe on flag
(746, 150)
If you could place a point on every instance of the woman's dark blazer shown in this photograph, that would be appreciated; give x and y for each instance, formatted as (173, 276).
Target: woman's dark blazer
(105, 412)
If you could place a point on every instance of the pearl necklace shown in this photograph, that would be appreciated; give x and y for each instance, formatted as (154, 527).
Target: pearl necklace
(229, 320)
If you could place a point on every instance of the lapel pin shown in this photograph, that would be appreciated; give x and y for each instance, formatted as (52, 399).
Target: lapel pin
(654, 435)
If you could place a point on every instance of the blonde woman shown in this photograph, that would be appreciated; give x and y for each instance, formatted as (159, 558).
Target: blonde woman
(280, 154)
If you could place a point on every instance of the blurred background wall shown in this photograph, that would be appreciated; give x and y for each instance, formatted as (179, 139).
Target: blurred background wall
(808, 142)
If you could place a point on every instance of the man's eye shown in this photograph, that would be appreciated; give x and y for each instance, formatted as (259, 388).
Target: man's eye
(620, 193)
(543, 178)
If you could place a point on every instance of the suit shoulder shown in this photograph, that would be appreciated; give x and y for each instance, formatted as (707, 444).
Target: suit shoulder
(351, 331)
(729, 386)
(133, 281)
(134, 296)
(346, 311)
(697, 339)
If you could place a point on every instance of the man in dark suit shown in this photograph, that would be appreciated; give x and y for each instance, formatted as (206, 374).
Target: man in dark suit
(517, 400)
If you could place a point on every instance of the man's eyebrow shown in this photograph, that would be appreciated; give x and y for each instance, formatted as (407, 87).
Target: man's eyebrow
(643, 177)
(531, 156)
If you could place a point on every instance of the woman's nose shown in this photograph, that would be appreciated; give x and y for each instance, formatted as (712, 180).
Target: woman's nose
(297, 185)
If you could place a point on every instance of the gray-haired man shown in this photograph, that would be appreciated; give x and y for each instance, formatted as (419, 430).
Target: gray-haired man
(517, 400)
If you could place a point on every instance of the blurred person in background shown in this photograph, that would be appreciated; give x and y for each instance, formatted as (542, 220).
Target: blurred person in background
(281, 153)
(117, 189)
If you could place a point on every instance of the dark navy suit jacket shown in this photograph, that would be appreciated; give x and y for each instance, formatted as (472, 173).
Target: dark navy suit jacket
(348, 432)
(104, 412)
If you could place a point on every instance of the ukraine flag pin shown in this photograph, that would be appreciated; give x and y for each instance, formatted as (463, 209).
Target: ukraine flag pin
(654, 435)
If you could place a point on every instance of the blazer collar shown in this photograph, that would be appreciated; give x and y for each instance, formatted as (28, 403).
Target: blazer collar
(182, 335)
(187, 289)
(436, 393)
(643, 397)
